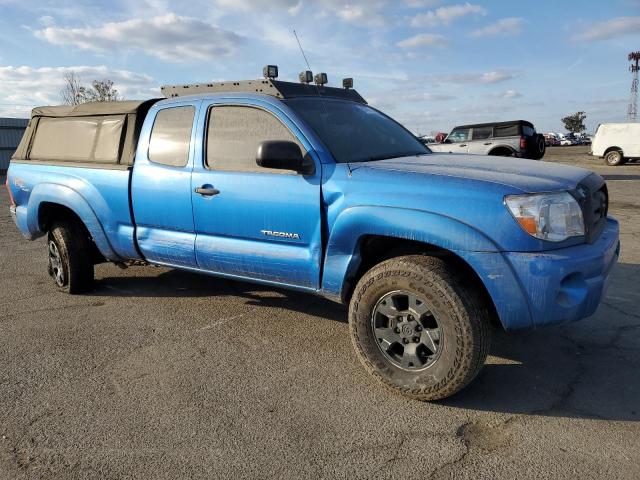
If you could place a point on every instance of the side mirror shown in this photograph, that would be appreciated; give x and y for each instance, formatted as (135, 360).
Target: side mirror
(283, 155)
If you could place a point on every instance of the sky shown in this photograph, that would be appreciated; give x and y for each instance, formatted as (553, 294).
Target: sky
(430, 64)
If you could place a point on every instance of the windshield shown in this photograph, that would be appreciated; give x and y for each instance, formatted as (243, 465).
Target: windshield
(354, 132)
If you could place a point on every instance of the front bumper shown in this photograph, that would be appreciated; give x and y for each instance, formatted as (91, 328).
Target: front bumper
(567, 284)
(544, 288)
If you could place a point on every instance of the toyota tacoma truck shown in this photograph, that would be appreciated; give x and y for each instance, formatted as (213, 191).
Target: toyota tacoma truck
(306, 187)
(517, 138)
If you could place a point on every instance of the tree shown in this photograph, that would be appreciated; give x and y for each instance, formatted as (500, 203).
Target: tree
(575, 123)
(102, 91)
(75, 93)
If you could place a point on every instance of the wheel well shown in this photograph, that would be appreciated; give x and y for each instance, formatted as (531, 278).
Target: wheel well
(611, 149)
(501, 151)
(375, 249)
(51, 213)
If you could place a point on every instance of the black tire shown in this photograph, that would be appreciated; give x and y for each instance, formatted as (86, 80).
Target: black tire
(455, 306)
(70, 257)
(540, 147)
(614, 158)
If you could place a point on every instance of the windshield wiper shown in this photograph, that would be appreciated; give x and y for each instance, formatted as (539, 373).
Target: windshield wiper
(388, 157)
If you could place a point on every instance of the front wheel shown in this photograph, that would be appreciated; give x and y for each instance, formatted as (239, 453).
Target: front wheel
(418, 328)
(70, 257)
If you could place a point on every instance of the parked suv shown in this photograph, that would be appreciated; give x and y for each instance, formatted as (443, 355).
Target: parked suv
(517, 138)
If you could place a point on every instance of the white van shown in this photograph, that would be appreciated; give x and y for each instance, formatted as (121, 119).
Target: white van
(617, 142)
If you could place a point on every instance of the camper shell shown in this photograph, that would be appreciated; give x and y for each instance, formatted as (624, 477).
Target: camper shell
(91, 134)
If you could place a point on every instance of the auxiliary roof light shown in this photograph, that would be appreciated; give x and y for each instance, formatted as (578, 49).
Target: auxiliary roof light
(306, 76)
(321, 79)
(347, 83)
(270, 71)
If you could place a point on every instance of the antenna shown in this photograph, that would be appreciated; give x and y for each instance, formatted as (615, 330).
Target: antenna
(632, 112)
(301, 50)
(317, 86)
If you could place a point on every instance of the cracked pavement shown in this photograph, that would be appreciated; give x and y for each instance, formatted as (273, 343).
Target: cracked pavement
(163, 374)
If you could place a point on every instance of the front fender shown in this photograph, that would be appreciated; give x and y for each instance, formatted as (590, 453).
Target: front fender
(342, 257)
(74, 201)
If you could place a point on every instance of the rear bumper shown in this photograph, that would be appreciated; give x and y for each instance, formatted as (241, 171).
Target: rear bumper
(544, 288)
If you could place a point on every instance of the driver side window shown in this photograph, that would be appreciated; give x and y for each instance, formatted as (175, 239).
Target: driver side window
(233, 136)
(459, 135)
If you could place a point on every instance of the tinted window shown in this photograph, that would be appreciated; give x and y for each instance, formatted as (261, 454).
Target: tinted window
(528, 131)
(171, 136)
(506, 131)
(354, 132)
(482, 132)
(79, 139)
(234, 134)
(459, 135)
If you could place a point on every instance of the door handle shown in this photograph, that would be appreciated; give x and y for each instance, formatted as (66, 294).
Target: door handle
(207, 191)
(463, 145)
(488, 143)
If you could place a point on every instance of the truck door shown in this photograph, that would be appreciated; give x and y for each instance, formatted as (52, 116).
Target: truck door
(458, 140)
(252, 221)
(481, 141)
(161, 186)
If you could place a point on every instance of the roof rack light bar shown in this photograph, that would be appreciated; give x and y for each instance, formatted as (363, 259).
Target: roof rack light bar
(274, 88)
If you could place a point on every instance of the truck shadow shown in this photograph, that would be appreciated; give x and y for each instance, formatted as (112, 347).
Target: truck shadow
(614, 177)
(177, 283)
(589, 369)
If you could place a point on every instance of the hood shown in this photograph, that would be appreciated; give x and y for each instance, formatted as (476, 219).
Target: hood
(525, 175)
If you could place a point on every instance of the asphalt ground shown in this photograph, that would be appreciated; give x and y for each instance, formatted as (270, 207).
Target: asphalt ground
(160, 374)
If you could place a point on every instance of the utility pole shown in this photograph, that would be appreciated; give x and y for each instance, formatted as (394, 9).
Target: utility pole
(632, 112)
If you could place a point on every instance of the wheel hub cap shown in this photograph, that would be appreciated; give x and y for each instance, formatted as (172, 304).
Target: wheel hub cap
(55, 264)
(406, 331)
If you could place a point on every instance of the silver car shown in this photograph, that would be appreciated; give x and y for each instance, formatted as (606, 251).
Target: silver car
(517, 138)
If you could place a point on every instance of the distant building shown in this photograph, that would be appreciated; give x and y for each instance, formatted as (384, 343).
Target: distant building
(11, 130)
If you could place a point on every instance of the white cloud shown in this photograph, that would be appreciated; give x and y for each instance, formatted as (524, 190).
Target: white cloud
(358, 12)
(491, 77)
(46, 20)
(615, 27)
(504, 27)
(422, 3)
(424, 40)
(26, 87)
(511, 94)
(447, 14)
(169, 37)
(292, 6)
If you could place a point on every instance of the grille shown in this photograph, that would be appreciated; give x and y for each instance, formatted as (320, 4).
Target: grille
(593, 198)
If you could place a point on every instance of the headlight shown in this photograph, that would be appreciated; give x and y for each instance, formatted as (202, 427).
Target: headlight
(548, 216)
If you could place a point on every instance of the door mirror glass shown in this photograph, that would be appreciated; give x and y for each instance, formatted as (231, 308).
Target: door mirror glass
(283, 155)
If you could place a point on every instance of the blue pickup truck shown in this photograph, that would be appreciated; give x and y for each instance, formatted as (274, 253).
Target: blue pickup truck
(306, 187)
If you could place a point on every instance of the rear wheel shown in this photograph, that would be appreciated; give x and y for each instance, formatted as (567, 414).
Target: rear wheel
(418, 327)
(540, 147)
(614, 158)
(70, 257)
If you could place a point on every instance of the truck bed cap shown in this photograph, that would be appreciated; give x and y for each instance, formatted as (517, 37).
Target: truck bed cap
(90, 108)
